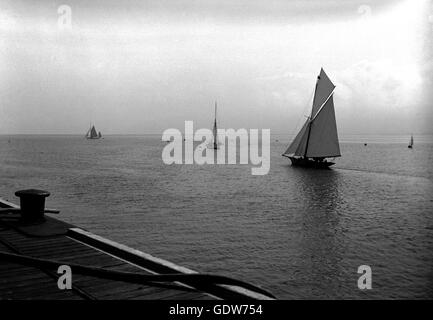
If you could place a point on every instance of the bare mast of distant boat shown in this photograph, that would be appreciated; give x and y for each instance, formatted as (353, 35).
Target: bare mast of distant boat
(318, 137)
(92, 134)
(215, 130)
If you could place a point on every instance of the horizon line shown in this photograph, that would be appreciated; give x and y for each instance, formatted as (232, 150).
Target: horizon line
(159, 133)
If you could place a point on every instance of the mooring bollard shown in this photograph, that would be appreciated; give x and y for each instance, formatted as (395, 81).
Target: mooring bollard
(32, 203)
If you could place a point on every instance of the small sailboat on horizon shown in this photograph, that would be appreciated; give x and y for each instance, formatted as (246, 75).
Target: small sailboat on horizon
(215, 131)
(410, 146)
(318, 137)
(92, 133)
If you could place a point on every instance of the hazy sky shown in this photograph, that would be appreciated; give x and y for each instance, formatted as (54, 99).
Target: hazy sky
(145, 66)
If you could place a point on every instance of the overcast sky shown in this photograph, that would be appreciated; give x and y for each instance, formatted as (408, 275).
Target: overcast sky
(145, 66)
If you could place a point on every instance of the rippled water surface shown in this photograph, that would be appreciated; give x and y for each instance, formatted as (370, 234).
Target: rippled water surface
(299, 233)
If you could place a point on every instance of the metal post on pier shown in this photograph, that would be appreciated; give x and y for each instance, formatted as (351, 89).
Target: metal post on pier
(32, 203)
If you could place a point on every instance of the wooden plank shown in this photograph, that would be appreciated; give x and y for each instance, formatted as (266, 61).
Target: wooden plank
(60, 254)
(149, 293)
(13, 274)
(48, 245)
(126, 267)
(113, 288)
(61, 295)
(28, 243)
(162, 295)
(8, 267)
(38, 293)
(189, 296)
(75, 257)
(37, 282)
(18, 237)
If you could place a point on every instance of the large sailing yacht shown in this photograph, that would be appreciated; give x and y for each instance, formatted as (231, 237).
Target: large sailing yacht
(318, 137)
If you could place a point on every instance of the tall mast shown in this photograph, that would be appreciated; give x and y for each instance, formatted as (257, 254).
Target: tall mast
(311, 118)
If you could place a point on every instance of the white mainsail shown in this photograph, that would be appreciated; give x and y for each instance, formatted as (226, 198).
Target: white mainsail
(93, 133)
(323, 140)
(318, 138)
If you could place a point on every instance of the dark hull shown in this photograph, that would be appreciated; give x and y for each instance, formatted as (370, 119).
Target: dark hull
(309, 163)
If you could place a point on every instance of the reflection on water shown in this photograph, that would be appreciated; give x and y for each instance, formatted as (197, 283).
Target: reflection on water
(320, 187)
(319, 246)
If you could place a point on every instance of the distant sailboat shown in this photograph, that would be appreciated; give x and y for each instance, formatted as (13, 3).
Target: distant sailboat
(410, 146)
(92, 134)
(318, 138)
(215, 130)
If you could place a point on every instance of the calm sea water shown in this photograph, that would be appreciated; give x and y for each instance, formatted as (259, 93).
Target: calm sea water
(298, 233)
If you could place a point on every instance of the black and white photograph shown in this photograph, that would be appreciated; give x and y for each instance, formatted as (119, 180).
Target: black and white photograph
(220, 156)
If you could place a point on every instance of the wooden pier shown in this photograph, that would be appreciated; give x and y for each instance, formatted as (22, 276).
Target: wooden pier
(30, 254)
